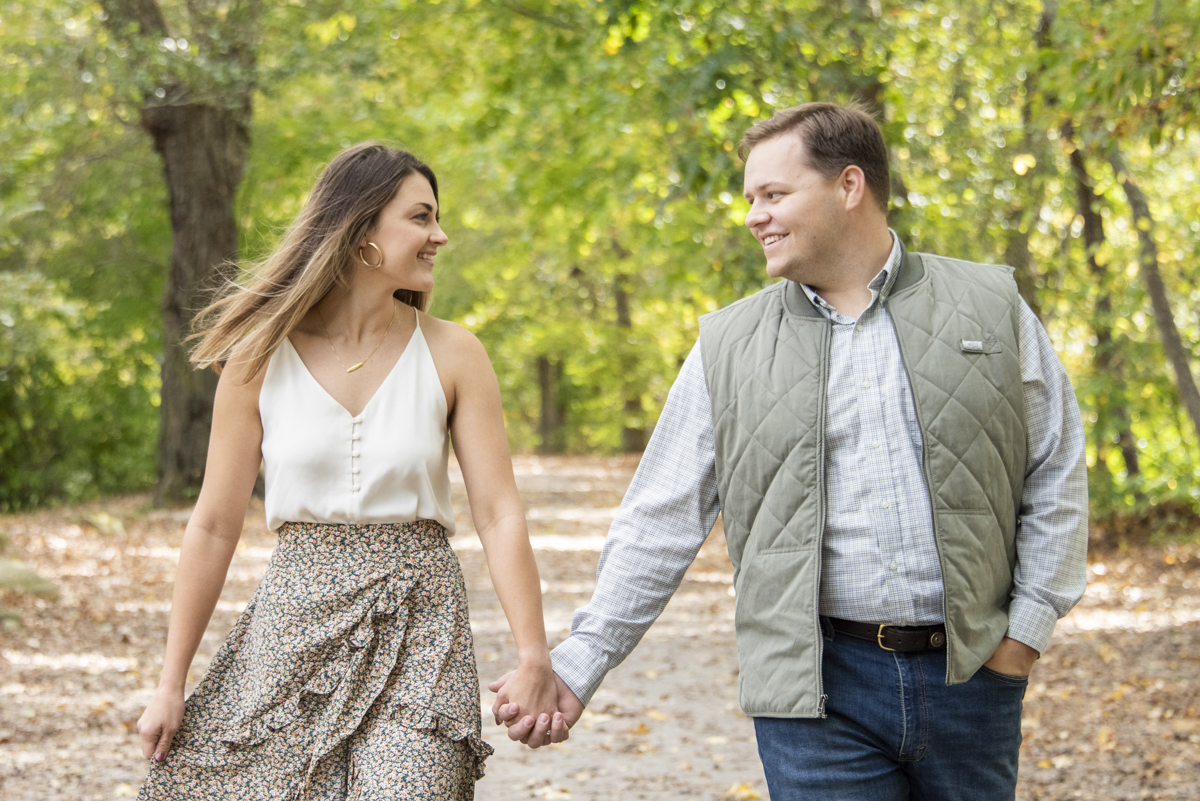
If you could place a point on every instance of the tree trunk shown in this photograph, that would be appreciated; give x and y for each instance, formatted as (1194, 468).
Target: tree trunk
(1163, 315)
(1108, 359)
(868, 89)
(1022, 218)
(1017, 256)
(204, 152)
(633, 432)
(203, 142)
(550, 426)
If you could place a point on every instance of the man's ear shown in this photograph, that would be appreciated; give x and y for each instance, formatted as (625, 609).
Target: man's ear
(853, 183)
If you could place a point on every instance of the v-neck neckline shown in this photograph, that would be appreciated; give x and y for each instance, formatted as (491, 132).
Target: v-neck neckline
(378, 390)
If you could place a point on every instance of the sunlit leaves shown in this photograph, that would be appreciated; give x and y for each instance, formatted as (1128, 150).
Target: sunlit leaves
(586, 146)
(1133, 65)
(63, 430)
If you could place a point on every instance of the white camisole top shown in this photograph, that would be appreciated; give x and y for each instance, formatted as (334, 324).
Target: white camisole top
(387, 465)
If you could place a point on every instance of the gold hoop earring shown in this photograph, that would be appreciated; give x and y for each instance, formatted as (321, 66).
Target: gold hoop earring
(366, 263)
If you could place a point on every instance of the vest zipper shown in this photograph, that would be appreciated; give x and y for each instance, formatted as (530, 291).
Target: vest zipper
(823, 402)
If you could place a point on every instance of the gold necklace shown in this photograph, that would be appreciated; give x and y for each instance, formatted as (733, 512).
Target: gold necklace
(321, 317)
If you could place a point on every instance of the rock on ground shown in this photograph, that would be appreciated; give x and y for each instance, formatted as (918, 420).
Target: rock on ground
(18, 577)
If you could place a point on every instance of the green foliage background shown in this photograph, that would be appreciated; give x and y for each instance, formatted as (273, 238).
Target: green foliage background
(586, 151)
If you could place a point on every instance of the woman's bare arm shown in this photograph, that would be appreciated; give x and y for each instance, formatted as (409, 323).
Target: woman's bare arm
(234, 456)
(481, 445)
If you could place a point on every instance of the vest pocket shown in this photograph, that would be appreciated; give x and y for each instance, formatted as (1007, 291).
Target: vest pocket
(978, 558)
(776, 622)
(978, 537)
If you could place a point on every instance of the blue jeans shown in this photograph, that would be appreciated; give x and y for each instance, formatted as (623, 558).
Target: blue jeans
(896, 732)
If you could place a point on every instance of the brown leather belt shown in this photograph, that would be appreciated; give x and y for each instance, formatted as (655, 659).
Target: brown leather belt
(905, 639)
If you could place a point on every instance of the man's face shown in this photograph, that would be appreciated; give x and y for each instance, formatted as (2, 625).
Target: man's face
(794, 210)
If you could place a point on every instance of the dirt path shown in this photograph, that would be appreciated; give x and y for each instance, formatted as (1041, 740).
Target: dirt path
(1113, 711)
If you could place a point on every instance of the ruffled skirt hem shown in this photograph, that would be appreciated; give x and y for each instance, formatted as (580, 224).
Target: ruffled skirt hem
(318, 654)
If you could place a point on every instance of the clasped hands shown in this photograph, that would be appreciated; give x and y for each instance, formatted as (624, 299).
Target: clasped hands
(539, 708)
(536, 705)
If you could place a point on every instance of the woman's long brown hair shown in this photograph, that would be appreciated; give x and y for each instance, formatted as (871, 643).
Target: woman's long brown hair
(251, 319)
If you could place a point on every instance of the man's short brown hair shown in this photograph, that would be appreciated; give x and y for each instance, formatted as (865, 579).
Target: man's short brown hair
(834, 136)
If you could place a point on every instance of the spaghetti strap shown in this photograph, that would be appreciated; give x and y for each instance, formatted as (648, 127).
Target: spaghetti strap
(386, 464)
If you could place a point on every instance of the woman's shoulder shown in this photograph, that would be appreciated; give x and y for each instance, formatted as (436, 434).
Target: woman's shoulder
(450, 337)
(244, 372)
(458, 355)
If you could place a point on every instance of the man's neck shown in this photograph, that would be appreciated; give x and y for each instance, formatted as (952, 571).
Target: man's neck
(852, 294)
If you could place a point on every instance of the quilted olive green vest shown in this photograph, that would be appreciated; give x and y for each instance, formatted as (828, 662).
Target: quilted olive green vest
(766, 364)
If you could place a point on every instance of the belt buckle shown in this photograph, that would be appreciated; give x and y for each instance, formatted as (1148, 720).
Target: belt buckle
(879, 638)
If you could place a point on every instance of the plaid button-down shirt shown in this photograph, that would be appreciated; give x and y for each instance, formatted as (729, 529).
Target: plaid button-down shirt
(880, 561)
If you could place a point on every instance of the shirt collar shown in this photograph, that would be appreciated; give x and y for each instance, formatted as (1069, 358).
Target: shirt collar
(880, 286)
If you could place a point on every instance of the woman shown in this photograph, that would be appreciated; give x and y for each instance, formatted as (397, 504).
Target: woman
(351, 672)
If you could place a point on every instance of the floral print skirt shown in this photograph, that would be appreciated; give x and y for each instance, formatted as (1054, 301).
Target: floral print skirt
(351, 675)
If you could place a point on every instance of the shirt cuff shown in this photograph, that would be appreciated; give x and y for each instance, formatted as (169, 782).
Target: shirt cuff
(580, 667)
(1031, 623)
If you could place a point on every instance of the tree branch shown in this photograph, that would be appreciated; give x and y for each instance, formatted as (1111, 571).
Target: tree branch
(529, 13)
(1163, 315)
(144, 15)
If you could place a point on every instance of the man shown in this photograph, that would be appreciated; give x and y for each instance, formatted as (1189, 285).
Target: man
(899, 461)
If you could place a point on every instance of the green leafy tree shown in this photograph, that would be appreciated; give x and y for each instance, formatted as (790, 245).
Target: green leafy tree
(591, 189)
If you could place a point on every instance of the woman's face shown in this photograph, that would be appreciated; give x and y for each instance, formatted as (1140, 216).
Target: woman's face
(409, 235)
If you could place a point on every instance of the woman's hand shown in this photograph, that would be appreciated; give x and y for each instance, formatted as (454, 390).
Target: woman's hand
(531, 694)
(211, 536)
(158, 724)
(570, 709)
